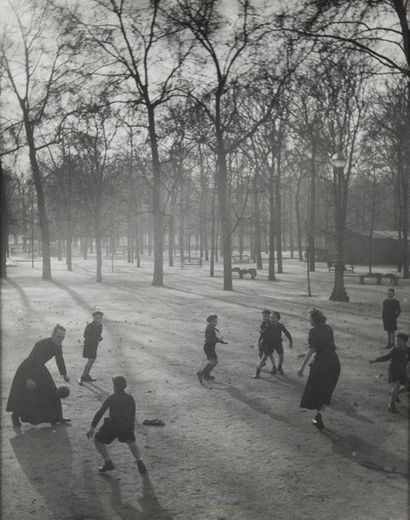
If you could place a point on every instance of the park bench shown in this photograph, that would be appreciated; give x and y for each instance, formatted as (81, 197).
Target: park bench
(241, 259)
(242, 272)
(347, 268)
(394, 279)
(194, 261)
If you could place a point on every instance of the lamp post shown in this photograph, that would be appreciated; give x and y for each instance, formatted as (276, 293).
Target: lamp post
(340, 193)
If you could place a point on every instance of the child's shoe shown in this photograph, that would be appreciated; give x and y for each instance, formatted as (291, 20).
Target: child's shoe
(107, 466)
(257, 374)
(15, 419)
(280, 371)
(318, 421)
(141, 467)
(274, 371)
(200, 376)
(392, 408)
(209, 377)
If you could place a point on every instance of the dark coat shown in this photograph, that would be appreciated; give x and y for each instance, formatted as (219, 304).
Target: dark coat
(324, 369)
(391, 311)
(41, 404)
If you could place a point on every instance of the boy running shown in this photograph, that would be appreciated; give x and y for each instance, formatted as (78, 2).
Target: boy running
(120, 424)
(211, 339)
(399, 357)
(265, 322)
(92, 336)
(271, 341)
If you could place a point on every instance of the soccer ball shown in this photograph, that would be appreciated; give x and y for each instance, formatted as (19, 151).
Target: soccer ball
(63, 391)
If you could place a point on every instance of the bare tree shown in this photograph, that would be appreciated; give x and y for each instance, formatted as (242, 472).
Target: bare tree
(36, 73)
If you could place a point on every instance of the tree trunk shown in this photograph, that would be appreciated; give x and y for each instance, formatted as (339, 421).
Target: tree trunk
(298, 219)
(213, 240)
(312, 210)
(158, 276)
(4, 221)
(271, 268)
(278, 224)
(42, 212)
(98, 248)
(258, 235)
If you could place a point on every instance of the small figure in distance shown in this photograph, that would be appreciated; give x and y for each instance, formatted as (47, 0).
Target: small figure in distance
(391, 311)
(120, 424)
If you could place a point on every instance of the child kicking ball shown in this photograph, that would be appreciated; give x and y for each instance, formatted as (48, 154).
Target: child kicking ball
(119, 425)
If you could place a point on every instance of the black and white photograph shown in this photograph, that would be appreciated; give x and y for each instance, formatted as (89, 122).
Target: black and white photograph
(204, 262)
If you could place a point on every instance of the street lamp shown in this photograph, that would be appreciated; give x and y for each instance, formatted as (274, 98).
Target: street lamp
(339, 292)
(339, 160)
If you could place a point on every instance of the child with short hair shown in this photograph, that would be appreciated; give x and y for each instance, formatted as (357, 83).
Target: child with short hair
(211, 339)
(391, 311)
(120, 424)
(399, 357)
(92, 336)
(271, 341)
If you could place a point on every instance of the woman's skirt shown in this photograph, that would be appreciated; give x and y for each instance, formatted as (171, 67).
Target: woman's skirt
(38, 405)
(323, 376)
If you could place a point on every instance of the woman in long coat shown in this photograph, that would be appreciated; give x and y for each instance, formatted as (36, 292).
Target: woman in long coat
(324, 369)
(33, 394)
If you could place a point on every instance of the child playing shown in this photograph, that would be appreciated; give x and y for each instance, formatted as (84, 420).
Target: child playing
(271, 341)
(399, 358)
(120, 424)
(265, 322)
(92, 336)
(391, 311)
(211, 339)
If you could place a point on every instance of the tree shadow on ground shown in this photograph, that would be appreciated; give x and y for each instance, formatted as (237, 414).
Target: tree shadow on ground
(23, 297)
(75, 296)
(150, 507)
(255, 403)
(366, 454)
(45, 457)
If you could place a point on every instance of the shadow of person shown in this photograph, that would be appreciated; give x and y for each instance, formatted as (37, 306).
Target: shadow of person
(45, 457)
(150, 507)
(366, 454)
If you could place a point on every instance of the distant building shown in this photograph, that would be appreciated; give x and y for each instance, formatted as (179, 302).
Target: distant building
(384, 247)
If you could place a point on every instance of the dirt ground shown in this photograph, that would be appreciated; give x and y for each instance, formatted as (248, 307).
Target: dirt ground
(233, 449)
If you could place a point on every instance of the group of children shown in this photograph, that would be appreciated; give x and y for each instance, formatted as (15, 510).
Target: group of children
(270, 341)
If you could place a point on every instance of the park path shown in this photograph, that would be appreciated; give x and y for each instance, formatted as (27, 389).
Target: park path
(233, 449)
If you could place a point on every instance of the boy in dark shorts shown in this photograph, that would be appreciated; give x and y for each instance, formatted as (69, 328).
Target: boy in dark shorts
(271, 340)
(391, 311)
(211, 339)
(120, 424)
(399, 357)
(92, 336)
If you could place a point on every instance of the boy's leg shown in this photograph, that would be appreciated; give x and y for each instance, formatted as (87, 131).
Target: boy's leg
(262, 363)
(280, 369)
(274, 370)
(137, 456)
(102, 449)
(209, 367)
(86, 372)
(393, 396)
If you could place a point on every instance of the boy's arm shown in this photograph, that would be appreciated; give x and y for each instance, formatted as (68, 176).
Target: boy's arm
(398, 312)
(288, 335)
(86, 331)
(97, 417)
(381, 358)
